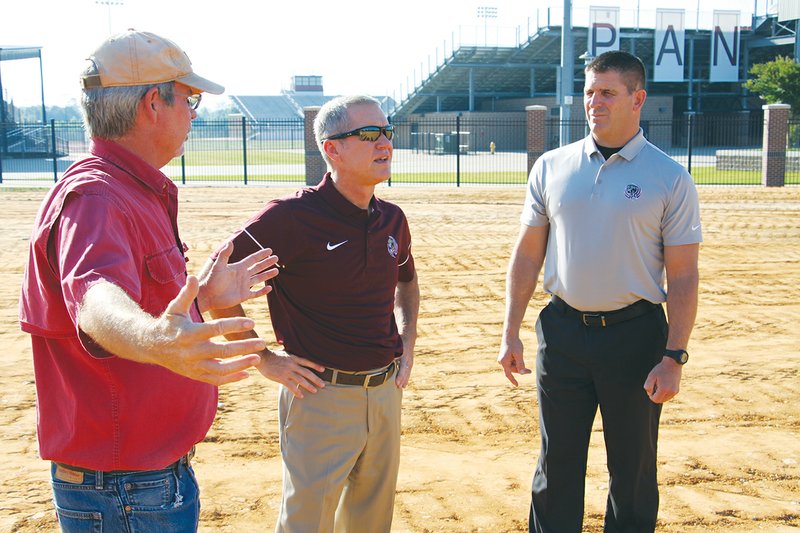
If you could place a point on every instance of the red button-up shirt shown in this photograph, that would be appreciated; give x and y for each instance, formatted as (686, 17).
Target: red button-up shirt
(333, 300)
(112, 217)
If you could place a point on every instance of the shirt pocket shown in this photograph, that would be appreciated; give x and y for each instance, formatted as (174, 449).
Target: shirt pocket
(165, 266)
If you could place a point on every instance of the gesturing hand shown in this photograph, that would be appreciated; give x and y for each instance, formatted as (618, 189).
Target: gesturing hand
(187, 348)
(223, 285)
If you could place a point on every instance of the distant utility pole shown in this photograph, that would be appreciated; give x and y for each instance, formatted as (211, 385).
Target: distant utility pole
(486, 13)
(109, 3)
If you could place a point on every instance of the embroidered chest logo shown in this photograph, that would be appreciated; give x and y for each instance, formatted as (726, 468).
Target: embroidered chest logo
(391, 246)
(633, 191)
(334, 246)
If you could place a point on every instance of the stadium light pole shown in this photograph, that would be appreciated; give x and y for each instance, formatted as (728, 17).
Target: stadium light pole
(109, 3)
(486, 13)
(567, 82)
(638, 5)
(587, 58)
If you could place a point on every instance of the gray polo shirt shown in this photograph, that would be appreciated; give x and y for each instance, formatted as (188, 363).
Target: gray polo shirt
(610, 220)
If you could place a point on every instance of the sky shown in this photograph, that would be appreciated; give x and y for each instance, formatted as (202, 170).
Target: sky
(254, 47)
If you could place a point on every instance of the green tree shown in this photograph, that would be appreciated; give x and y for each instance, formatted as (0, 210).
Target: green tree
(777, 81)
(219, 112)
(33, 114)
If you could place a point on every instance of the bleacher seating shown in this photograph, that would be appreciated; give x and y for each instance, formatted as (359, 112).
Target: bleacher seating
(288, 106)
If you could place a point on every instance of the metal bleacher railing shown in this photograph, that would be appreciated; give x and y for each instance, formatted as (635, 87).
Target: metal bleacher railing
(450, 151)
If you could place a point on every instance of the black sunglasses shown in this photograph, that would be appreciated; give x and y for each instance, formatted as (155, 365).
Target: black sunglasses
(367, 133)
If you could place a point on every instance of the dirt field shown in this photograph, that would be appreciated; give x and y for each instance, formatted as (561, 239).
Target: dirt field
(729, 454)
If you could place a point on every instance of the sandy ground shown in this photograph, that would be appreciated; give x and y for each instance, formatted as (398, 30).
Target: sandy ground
(729, 454)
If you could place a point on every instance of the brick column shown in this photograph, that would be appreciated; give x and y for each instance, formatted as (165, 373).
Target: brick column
(776, 130)
(315, 165)
(536, 132)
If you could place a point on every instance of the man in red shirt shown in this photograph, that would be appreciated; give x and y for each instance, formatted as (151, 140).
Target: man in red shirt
(126, 370)
(345, 310)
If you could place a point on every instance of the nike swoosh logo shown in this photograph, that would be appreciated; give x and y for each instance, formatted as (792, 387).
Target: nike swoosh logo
(335, 246)
(695, 228)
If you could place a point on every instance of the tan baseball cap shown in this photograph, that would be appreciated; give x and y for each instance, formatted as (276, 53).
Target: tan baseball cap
(141, 58)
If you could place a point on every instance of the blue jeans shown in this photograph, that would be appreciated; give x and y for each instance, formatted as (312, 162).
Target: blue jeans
(152, 501)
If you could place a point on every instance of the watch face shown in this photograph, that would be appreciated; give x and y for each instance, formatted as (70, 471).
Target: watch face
(681, 356)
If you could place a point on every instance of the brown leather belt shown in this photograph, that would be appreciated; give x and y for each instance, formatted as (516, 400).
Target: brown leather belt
(601, 319)
(372, 379)
(185, 460)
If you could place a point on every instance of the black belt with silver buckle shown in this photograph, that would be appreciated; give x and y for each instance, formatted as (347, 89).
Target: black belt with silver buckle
(601, 319)
(185, 460)
(373, 379)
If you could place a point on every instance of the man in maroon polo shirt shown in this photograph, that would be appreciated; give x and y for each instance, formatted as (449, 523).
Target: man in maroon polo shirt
(126, 370)
(344, 309)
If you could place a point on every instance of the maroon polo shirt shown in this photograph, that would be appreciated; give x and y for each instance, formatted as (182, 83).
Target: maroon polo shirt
(333, 300)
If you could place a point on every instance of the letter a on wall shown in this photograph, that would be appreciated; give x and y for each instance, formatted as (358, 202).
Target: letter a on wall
(668, 54)
(603, 30)
(725, 47)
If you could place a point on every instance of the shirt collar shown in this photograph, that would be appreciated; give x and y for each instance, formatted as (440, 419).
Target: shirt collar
(628, 152)
(341, 204)
(131, 163)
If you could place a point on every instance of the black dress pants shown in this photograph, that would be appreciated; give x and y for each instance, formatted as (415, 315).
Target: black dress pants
(579, 368)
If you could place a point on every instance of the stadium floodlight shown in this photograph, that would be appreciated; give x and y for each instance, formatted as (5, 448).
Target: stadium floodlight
(486, 13)
(109, 3)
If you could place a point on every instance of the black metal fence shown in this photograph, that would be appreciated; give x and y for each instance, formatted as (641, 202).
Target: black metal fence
(460, 151)
(793, 142)
(452, 151)
(242, 151)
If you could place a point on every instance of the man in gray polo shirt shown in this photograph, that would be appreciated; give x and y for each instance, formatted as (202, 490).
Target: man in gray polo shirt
(613, 215)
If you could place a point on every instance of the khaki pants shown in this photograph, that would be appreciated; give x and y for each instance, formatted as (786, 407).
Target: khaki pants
(341, 454)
